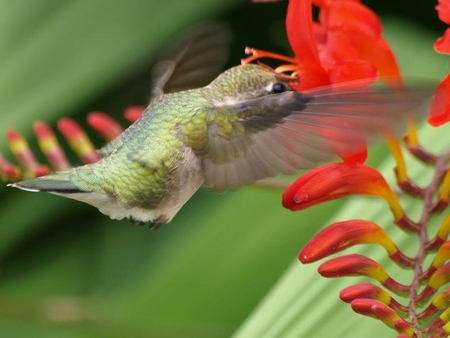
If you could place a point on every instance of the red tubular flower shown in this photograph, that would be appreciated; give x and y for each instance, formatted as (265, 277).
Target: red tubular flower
(342, 235)
(439, 278)
(336, 180)
(346, 44)
(24, 155)
(441, 257)
(78, 140)
(370, 291)
(104, 125)
(9, 172)
(50, 147)
(358, 265)
(441, 301)
(442, 45)
(440, 104)
(378, 310)
(134, 112)
(443, 318)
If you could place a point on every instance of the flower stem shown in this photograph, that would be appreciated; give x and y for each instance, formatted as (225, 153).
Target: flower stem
(428, 192)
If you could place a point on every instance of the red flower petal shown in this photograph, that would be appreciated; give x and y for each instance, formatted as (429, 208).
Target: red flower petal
(350, 16)
(443, 9)
(378, 52)
(350, 70)
(440, 104)
(442, 45)
(299, 28)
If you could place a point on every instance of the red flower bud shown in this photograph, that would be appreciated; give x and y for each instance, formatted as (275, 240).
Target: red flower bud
(378, 310)
(78, 140)
(342, 235)
(336, 180)
(50, 147)
(358, 265)
(105, 125)
(133, 113)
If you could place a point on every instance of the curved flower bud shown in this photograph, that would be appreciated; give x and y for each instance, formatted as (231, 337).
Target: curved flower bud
(443, 332)
(24, 156)
(50, 147)
(378, 310)
(441, 257)
(342, 235)
(9, 172)
(78, 140)
(441, 301)
(400, 171)
(358, 265)
(444, 194)
(441, 236)
(412, 143)
(439, 322)
(336, 180)
(370, 291)
(104, 125)
(439, 278)
(134, 112)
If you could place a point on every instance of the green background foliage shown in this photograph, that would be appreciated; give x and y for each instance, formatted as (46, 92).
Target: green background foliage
(68, 271)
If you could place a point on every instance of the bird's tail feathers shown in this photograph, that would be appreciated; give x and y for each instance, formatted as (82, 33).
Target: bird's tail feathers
(57, 182)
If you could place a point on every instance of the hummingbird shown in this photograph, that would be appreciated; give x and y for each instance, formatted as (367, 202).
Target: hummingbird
(245, 125)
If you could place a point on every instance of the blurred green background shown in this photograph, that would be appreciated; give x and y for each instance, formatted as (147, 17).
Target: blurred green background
(68, 271)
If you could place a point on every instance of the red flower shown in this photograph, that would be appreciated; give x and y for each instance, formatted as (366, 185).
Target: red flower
(346, 44)
(440, 105)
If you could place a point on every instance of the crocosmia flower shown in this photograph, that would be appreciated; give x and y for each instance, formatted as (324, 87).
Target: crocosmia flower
(345, 44)
(440, 105)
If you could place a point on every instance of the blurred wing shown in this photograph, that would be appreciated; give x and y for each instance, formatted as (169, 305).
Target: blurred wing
(193, 61)
(283, 133)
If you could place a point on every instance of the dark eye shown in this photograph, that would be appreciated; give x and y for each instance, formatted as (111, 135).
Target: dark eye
(278, 87)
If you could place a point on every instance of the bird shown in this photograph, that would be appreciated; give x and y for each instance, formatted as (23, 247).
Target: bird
(245, 125)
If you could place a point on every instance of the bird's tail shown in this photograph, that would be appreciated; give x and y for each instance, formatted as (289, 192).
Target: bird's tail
(58, 182)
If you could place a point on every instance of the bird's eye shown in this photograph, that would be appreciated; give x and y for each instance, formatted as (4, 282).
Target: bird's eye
(278, 87)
